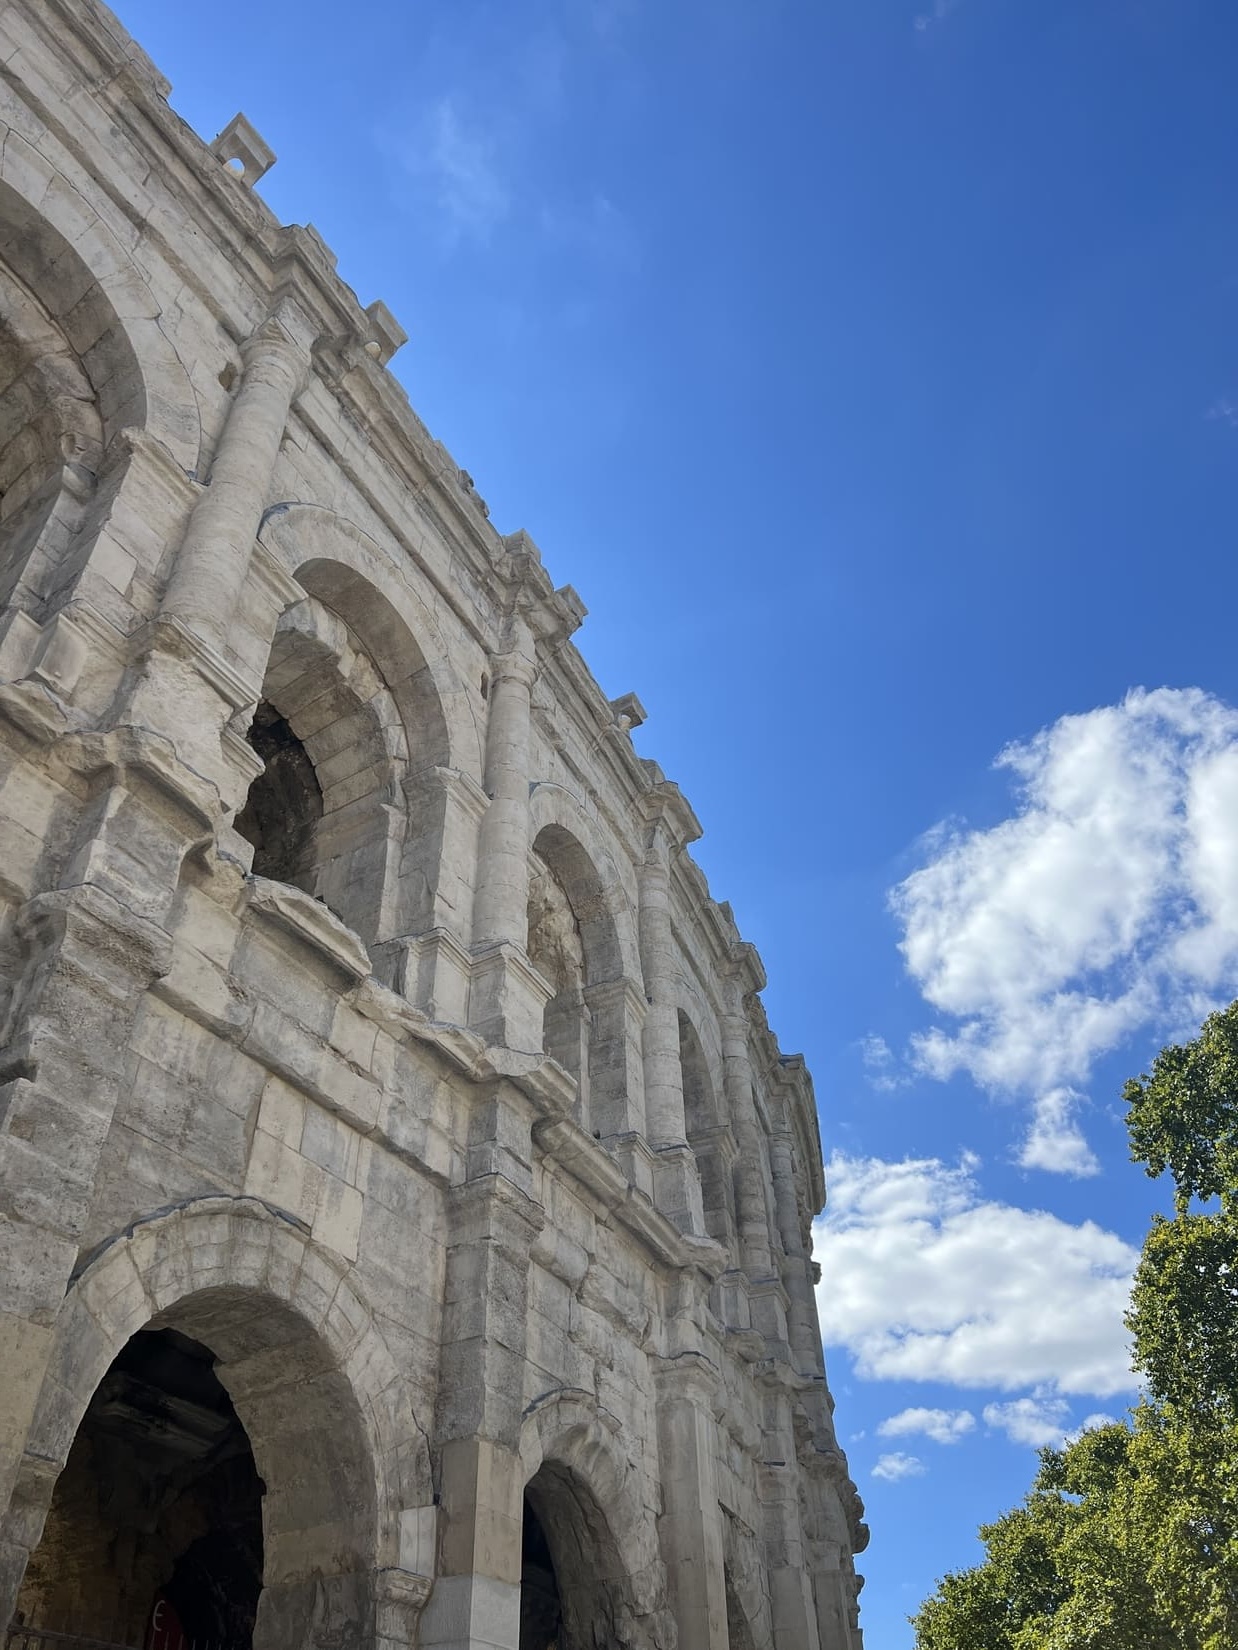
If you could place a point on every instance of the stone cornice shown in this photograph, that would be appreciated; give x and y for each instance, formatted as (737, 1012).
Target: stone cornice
(746, 967)
(665, 804)
(310, 922)
(573, 1149)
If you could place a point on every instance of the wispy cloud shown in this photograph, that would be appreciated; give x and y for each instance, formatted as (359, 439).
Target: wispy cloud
(942, 1426)
(1041, 1421)
(937, 13)
(1106, 904)
(479, 144)
(458, 159)
(1225, 410)
(898, 1465)
(923, 1279)
(880, 1064)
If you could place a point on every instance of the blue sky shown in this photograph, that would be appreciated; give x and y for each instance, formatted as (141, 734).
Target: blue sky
(871, 368)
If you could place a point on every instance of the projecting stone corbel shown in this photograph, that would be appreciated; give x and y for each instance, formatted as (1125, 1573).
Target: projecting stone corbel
(243, 151)
(628, 712)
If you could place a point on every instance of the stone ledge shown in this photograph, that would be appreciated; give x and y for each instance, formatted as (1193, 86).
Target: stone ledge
(310, 921)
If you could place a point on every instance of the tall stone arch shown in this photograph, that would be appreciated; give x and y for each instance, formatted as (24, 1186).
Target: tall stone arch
(433, 844)
(344, 1463)
(327, 814)
(582, 934)
(86, 371)
(708, 1130)
(553, 805)
(64, 252)
(594, 1506)
(352, 573)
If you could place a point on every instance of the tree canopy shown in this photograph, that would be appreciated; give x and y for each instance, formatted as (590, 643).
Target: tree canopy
(1128, 1537)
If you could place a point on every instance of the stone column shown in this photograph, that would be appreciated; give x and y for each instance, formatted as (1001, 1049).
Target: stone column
(213, 561)
(506, 998)
(803, 1331)
(500, 902)
(690, 1529)
(833, 1591)
(475, 1603)
(792, 1603)
(187, 686)
(677, 1185)
(751, 1210)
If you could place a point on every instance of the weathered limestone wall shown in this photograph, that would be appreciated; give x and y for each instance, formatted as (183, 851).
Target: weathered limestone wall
(395, 1055)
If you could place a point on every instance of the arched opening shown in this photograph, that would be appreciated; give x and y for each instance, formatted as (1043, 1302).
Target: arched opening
(557, 951)
(738, 1631)
(334, 1439)
(154, 1536)
(73, 377)
(573, 1591)
(574, 944)
(51, 446)
(541, 1608)
(284, 807)
(324, 813)
(63, 252)
(712, 1144)
(162, 1461)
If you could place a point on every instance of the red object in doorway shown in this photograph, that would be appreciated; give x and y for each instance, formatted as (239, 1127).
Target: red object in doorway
(165, 1631)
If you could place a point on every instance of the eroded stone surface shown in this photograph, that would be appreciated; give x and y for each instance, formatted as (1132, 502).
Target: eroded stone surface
(446, 1320)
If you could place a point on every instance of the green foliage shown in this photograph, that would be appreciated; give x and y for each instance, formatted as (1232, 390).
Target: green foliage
(1126, 1541)
(1128, 1538)
(1184, 1315)
(1184, 1117)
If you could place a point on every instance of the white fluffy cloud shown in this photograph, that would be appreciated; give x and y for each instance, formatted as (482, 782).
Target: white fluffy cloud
(943, 1426)
(898, 1465)
(924, 1279)
(1105, 904)
(1039, 1421)
(1054, 1139)
(1033, 1421)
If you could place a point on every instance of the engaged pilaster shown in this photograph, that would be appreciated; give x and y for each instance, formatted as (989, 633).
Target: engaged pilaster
(187, 672)
(792, 1603)
(803, 1332)
(690, 1529)
(507, 998)
(671, 824)
(476, 1599)
(213, 562)
(751, 1208)
(88, 951)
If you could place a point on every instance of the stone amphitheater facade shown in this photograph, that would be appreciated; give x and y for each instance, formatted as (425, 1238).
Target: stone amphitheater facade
(404, 1204)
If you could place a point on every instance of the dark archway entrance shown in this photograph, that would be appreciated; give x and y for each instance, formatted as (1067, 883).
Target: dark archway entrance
(574, 1591)
(154, 1536)
(541, 1608)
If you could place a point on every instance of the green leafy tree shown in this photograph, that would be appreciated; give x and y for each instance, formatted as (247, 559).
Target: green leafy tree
(1128, 1538)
